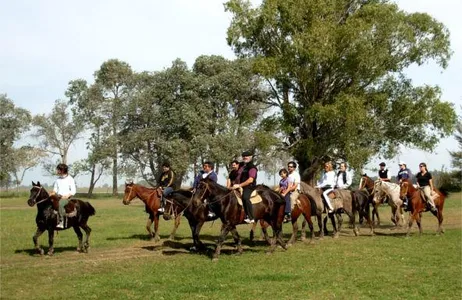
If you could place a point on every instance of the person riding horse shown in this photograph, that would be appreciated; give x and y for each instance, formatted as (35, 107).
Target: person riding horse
(343, 179)
(206, 172)
(404, 173)
(232, 174)
(326, 184)
(166, 182)
(65, 188)
(425, 183)
(383, 172)
(247, 180)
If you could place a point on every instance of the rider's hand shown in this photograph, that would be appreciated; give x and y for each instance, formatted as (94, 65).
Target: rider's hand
(236, 186)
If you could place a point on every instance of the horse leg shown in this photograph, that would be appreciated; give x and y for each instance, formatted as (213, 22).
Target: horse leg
(326, 232)
(252, 230)
(224, 232)
(264, 231)
(79, 234)
(411, 220)
(175, 227)
(321, 229)
(51, 238)
(375, 212)
(86, 244)
(294, 216)
(148, 226)
(237, 240)
(37, 234)
(419, 222)
(439, 216)
(340, 222)
(310, 225)
(156, 228)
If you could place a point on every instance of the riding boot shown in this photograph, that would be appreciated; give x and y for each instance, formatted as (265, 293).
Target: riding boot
(162, 204)
(248, 208)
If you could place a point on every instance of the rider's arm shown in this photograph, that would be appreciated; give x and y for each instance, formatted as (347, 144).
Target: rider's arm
(171, 178)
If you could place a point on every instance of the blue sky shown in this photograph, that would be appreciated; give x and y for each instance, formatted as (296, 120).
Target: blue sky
(47, 43)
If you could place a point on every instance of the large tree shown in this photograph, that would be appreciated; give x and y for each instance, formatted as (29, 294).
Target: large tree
(336, 69)
(14, 121)
(57, 130)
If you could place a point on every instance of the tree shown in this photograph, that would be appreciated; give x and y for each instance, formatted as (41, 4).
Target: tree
(14, 121)
(24, 159)
(57, 131)
(336, 70)
(457, 155)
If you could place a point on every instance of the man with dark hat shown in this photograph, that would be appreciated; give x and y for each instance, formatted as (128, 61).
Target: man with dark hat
(383, 172)
(247, 180)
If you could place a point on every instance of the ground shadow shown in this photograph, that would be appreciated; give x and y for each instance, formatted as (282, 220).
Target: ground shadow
(33, 251)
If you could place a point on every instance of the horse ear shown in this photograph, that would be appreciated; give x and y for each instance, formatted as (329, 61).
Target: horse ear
(129, 181)
(38, 183)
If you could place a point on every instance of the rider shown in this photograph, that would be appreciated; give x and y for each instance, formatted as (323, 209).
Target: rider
(284, 184)
(232, 174)
(404, 173)
(166, 182)
(247, 179)
(383, 172)
(294, 183)
(65, 188)
(326, 183)
(425, 183)
(206, 172)
(343, 179)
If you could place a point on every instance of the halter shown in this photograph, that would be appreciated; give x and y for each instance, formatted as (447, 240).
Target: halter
(38, 194)
(217, 200)
(129, 193)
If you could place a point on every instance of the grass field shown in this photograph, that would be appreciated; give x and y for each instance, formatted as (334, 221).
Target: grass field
(124, 264)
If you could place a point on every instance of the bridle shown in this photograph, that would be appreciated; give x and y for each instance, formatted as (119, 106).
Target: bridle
(129, 193)
(37, 195)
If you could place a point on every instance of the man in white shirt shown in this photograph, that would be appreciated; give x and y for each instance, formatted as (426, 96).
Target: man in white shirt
(294, 183)
(343, 180)
(65, 187)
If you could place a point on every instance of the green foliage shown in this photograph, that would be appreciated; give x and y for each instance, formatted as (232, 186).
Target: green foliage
(335, 68)
(57, 131)
(457, 155)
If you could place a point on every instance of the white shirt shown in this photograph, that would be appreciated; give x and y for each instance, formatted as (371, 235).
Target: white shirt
(294, 178)
(65, 186)
(339, 181)
(327, 178)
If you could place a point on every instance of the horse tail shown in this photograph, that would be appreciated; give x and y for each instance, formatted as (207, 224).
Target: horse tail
(87, 209)
(444, 191)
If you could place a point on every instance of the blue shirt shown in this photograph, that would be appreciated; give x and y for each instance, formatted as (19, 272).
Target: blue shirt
(212, 175)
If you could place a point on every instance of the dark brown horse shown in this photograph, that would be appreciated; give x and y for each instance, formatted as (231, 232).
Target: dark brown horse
(151, 199)
(224, 203)
(303, 206)
(418, 205)
(78, 213)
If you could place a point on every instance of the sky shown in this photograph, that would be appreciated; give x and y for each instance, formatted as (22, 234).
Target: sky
(47, 43)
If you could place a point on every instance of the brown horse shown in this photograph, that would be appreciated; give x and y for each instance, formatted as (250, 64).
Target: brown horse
(418, 205)
(224, 203)
(151, 199)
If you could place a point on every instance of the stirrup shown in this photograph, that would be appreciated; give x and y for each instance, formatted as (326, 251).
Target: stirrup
(60, 225)
(161, 209)
(211, 214)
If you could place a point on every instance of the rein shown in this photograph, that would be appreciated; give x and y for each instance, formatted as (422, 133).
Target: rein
(38, 194)
(216, 200)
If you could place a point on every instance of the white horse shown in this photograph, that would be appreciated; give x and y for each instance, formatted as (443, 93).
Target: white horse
(382, 189)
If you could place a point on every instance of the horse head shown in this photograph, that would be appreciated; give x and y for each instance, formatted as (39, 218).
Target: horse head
(37, 193)
(403, 189)
(366, 183)
(202, 192)
(129, 193)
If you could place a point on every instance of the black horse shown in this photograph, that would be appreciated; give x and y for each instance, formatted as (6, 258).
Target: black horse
(224, 203)
(47, 217)
(180, 202)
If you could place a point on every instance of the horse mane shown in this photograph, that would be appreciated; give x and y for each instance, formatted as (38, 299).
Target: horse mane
(215, 184)
(185, 193)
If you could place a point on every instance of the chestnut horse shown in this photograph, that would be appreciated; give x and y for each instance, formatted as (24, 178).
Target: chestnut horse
(418, 205)
(224, 203)
(151, 199)
(47, 218)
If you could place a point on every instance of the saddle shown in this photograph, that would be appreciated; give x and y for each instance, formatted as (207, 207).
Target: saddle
(254, 197)
(70, 208)
(336, 200)
(434, 195)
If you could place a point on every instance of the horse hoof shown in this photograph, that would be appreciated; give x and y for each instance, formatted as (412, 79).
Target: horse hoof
(40, 251)
(215, 259)
(335, 236)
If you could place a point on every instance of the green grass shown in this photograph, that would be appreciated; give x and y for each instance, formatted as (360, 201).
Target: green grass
(124, 264)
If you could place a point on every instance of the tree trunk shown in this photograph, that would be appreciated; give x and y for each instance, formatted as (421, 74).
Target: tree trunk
(92, 182)
(308, 169)
(114, 176)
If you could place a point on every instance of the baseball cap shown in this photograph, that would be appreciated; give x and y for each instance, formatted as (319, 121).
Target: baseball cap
(382, 164)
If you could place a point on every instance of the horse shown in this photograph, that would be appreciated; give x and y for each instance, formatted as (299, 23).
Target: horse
(224, 203)
(302, 206)
(383, 189)
(418, 205)
(78, 212)
(180, 203)
(151, 199)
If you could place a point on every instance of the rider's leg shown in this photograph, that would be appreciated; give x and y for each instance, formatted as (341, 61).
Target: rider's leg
(61, 213)
(327, 199)
(427, 192)
(246, 192)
